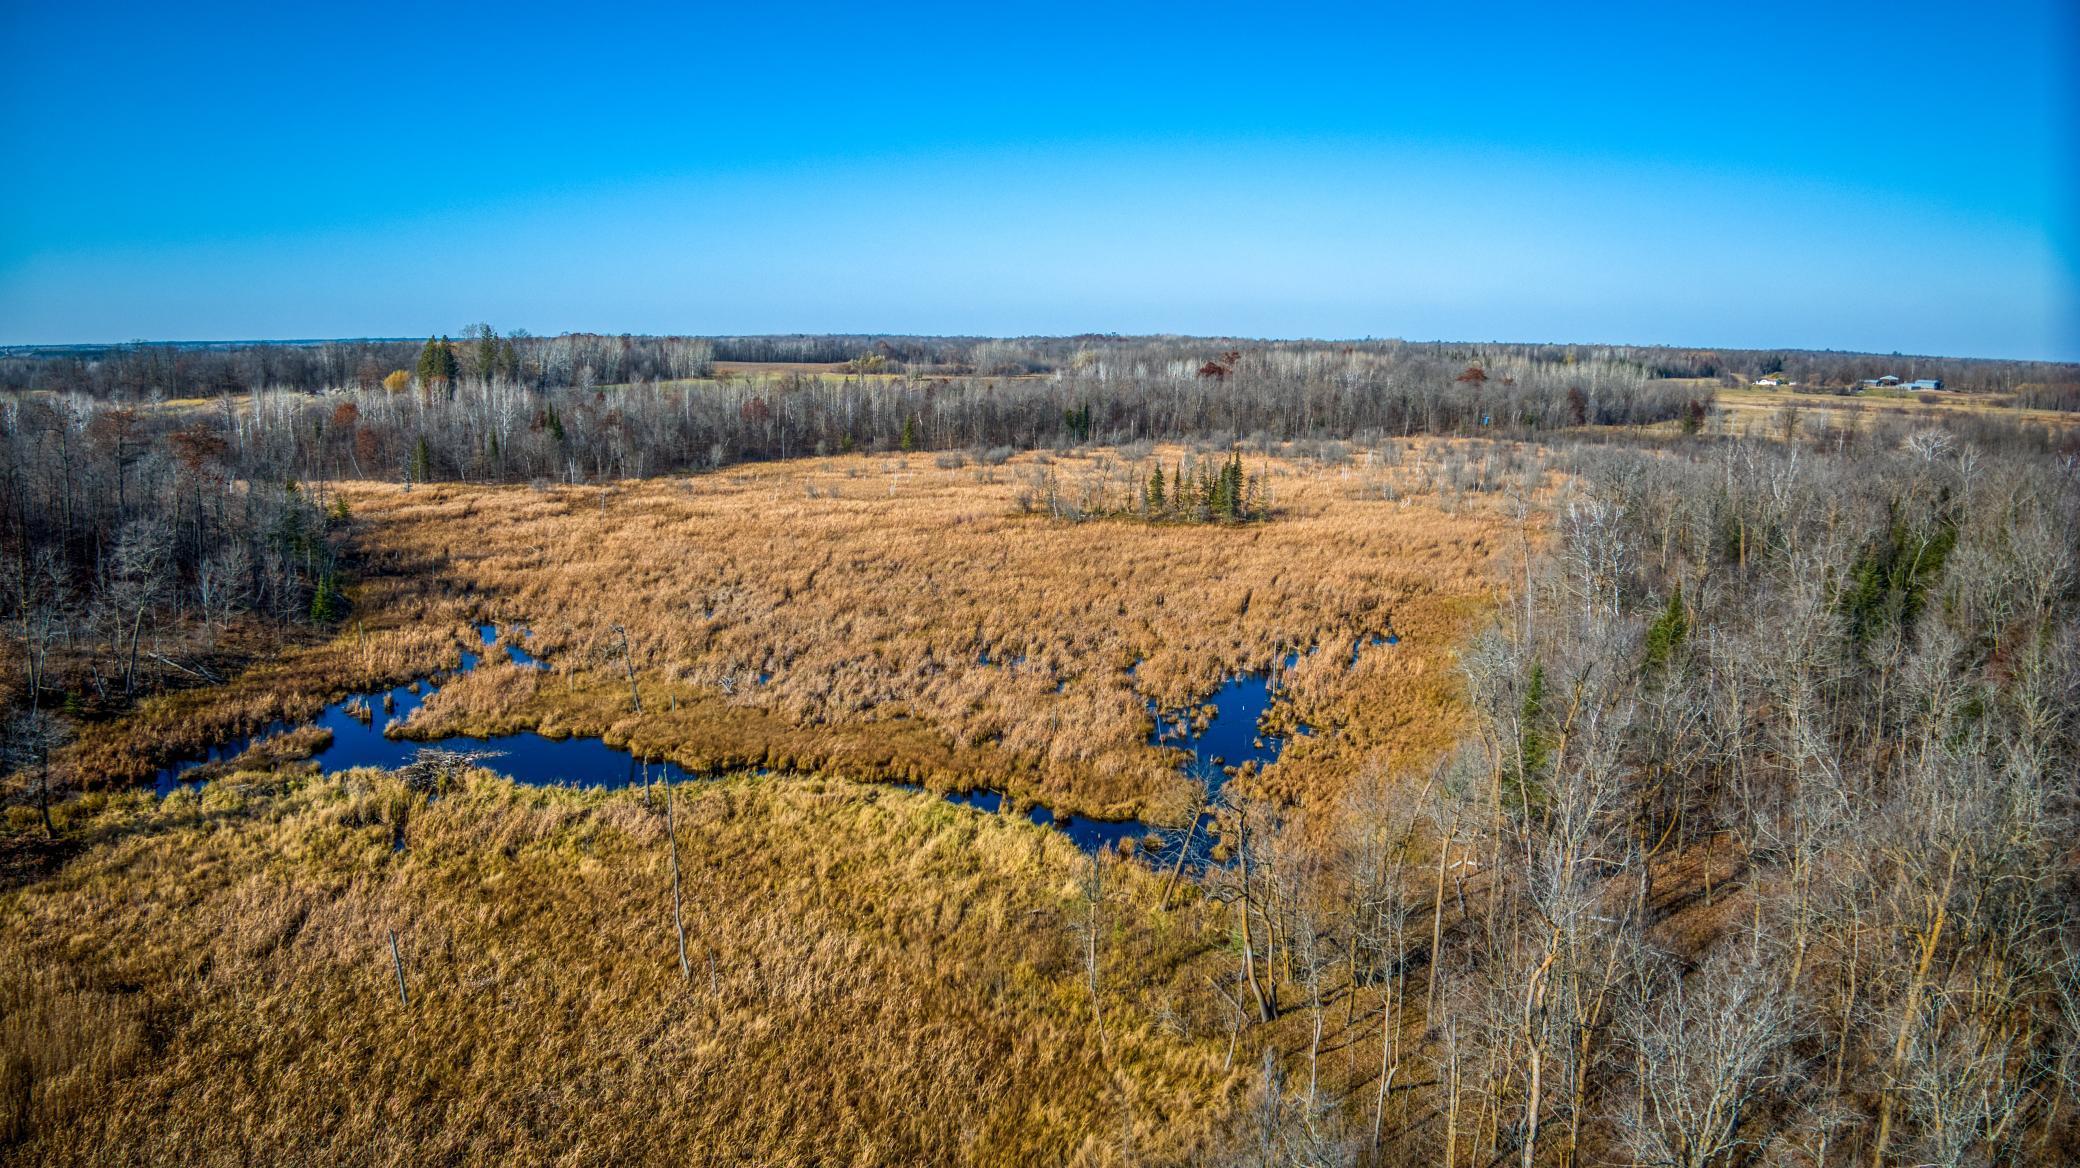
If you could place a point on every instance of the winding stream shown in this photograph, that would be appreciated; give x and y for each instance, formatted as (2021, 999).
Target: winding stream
(1228, 738)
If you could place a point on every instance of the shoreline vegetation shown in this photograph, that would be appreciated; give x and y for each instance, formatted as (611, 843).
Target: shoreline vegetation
(1707, 799)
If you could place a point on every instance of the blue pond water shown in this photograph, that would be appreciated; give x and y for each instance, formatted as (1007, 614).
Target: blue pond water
(1089, 834)
(1229, 738)
(1359, 646)
(527, 757)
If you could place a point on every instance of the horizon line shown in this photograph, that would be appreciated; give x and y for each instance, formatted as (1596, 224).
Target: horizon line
(17, 347)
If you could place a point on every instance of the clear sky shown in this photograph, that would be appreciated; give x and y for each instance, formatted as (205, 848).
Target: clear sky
(1896, 176)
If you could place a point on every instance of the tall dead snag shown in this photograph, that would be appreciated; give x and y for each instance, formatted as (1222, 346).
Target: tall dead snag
(628, 663)
(671, 830)
(1183, 850)
(1093, 896)
(397, 963)
(1267, 1008)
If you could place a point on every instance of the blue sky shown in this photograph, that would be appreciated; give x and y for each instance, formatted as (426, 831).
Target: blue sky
(1883, 177)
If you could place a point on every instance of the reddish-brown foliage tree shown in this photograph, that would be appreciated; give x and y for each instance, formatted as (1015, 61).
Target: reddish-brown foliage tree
(198, 448)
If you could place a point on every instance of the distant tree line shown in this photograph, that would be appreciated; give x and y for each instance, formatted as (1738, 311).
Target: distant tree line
(155, 371)
(454, 423)
(2064, 395)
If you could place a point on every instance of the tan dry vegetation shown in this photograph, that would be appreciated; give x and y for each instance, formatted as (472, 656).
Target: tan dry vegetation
(894, 981)
(404, 627)
(1761, 406)
(867, 590)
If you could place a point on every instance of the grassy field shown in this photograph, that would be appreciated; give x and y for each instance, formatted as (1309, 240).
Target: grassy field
(877, 978)
(1762, 407)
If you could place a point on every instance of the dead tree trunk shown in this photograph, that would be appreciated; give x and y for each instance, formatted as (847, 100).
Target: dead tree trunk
(1094, 895)
(397, 963)
(628, 663)
(1177, 869)
(1265, 1010)
(671, 828)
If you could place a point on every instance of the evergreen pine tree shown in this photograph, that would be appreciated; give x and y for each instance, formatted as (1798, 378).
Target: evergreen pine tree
(437, 364)
(429, 363)
(1078, 422)
(1667, 631)
(449, 367)
(1533, 750)
(483, 351)
(1226, 493)
(1153, 499)
(327, 605)
(422, 461)
(910, 433)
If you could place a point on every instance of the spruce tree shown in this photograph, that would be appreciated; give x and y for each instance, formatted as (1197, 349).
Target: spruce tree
(450, 368)
(1667, 632)
(327, 605)
(437, 364)
(1227, 489)
(483, 352)
(1533, 750)
(1152, 499)
(429, 363)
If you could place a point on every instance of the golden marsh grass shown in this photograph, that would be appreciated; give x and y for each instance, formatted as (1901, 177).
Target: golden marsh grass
(895, 618)
(878, 978)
